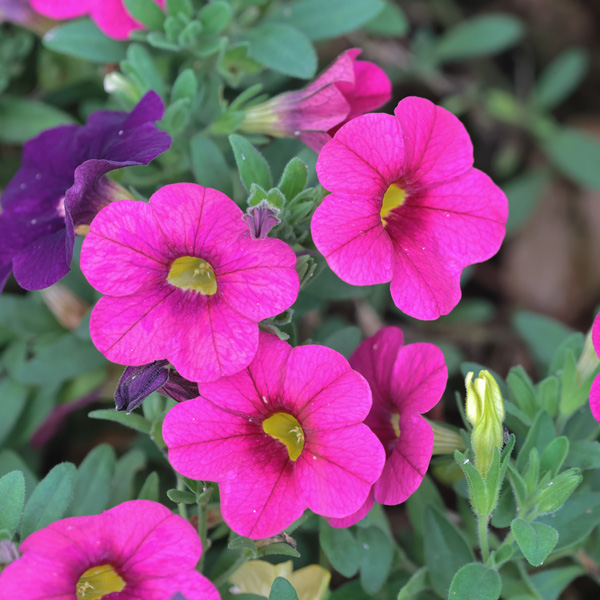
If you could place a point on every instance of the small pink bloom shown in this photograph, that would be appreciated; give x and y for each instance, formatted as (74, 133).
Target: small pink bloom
(184, 281)
(406, 381)
(281, 436)
(348, 88)
(138, 549)
(407, 206)
(111, 16)
(595, 391)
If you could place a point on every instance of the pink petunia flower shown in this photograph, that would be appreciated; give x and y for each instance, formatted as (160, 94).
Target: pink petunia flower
(406, 381)
(407, 206)
(184, 281)
(348, 88)
(281, 436)
(595, 391)
(111, 16)
(138, 549)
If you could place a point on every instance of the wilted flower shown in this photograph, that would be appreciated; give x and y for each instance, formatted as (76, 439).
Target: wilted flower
(348, 88)
(61, 186)
(261, 219)
(407, 206)
(485, 412)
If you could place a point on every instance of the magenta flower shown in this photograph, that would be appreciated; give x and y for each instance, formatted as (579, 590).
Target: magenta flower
(138, 549)
(111, 16)
(348, 88)
(595, 391)
(184, 281)
(407, 206)
(61, 186)
(406, 381)
(281, 436)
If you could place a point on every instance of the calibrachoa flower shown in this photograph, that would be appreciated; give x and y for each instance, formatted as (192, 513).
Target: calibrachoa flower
(406, 381)
(184, 281)
(281, 436)
(348, 88)
(138, 549)
(595, 391)
(61, 186)
(111, 16)
(407, 206)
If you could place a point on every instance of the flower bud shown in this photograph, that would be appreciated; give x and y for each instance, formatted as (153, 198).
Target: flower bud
(485, 411)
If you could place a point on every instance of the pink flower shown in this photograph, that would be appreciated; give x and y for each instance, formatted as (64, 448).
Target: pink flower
(184, 281)
(348, 88)
(138, 549)
(406, 381)
(595, 391)
(407, 206)
(111, 16)
(283, 435)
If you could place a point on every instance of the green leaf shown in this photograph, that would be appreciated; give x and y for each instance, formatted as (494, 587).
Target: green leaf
(283, 49)
(446, 550)
(321, 20)
(141, 68)
(278, 548)
(83, 39)
(14, 398)
(418, 582)
(209, 166)
(523, 193)
(551, 582)
(282, 589)
(177, 7)
(522, 390)
(341, 549)
(558, 490)
(150, 488)
(584, 455)
(181, 497)
(481, 36)
(185, 86)
(475, 582)
(554, 455)
(243, 543)
(123, 479)
(252, 166)
(21, 118)
(576, 155)
(561, 77)
(376, 558)
(478, 491)
(92, 483)
(147, 12)
(50, 499)
(542, 432)
(215, 17)
(12, 499)
(390, 22)
(11, 461)
(132, 421)
(294, 177)
(535, 540)
(344, 341)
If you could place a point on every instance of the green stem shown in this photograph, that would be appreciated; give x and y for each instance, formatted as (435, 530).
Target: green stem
(483, 538)
(202, 532)
(180, 506)
(223, 577)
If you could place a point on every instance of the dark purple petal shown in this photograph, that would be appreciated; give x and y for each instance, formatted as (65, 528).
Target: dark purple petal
(137, 383)
(261, 219)
(179, 388)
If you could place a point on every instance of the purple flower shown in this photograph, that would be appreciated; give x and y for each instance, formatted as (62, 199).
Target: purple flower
(137, 383)
(261, 219)
(61, 186)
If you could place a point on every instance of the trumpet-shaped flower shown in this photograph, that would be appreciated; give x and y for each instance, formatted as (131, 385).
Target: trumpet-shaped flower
(595, 391)
(407, 206)
(348, 88)
(281, 436)
(406, 381)
(184, 281)
(138, 549)
(61, 186)
(111, 16)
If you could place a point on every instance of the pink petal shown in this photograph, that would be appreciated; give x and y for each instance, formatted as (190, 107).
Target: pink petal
(61, 9)
(322, 391)
(113, 19)
(365, 156)
(595, 398)
(348, 231)
(372, 88)
(207, 442)
(123, 236)
(191, 584)
(348, 459)
(436, 144)
(596, 334)
(374, 359)
(419, 378)
(261, 500)
(341, 72)
(406, 466)
(261, 280)
(354, 518)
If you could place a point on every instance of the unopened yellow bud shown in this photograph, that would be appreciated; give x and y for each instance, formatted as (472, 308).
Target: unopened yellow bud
(485, 411)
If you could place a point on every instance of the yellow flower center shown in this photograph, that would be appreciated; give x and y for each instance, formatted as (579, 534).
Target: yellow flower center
(286, 429)
(393, 198)
(97, 582)
(191, 273)
(395, 420)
